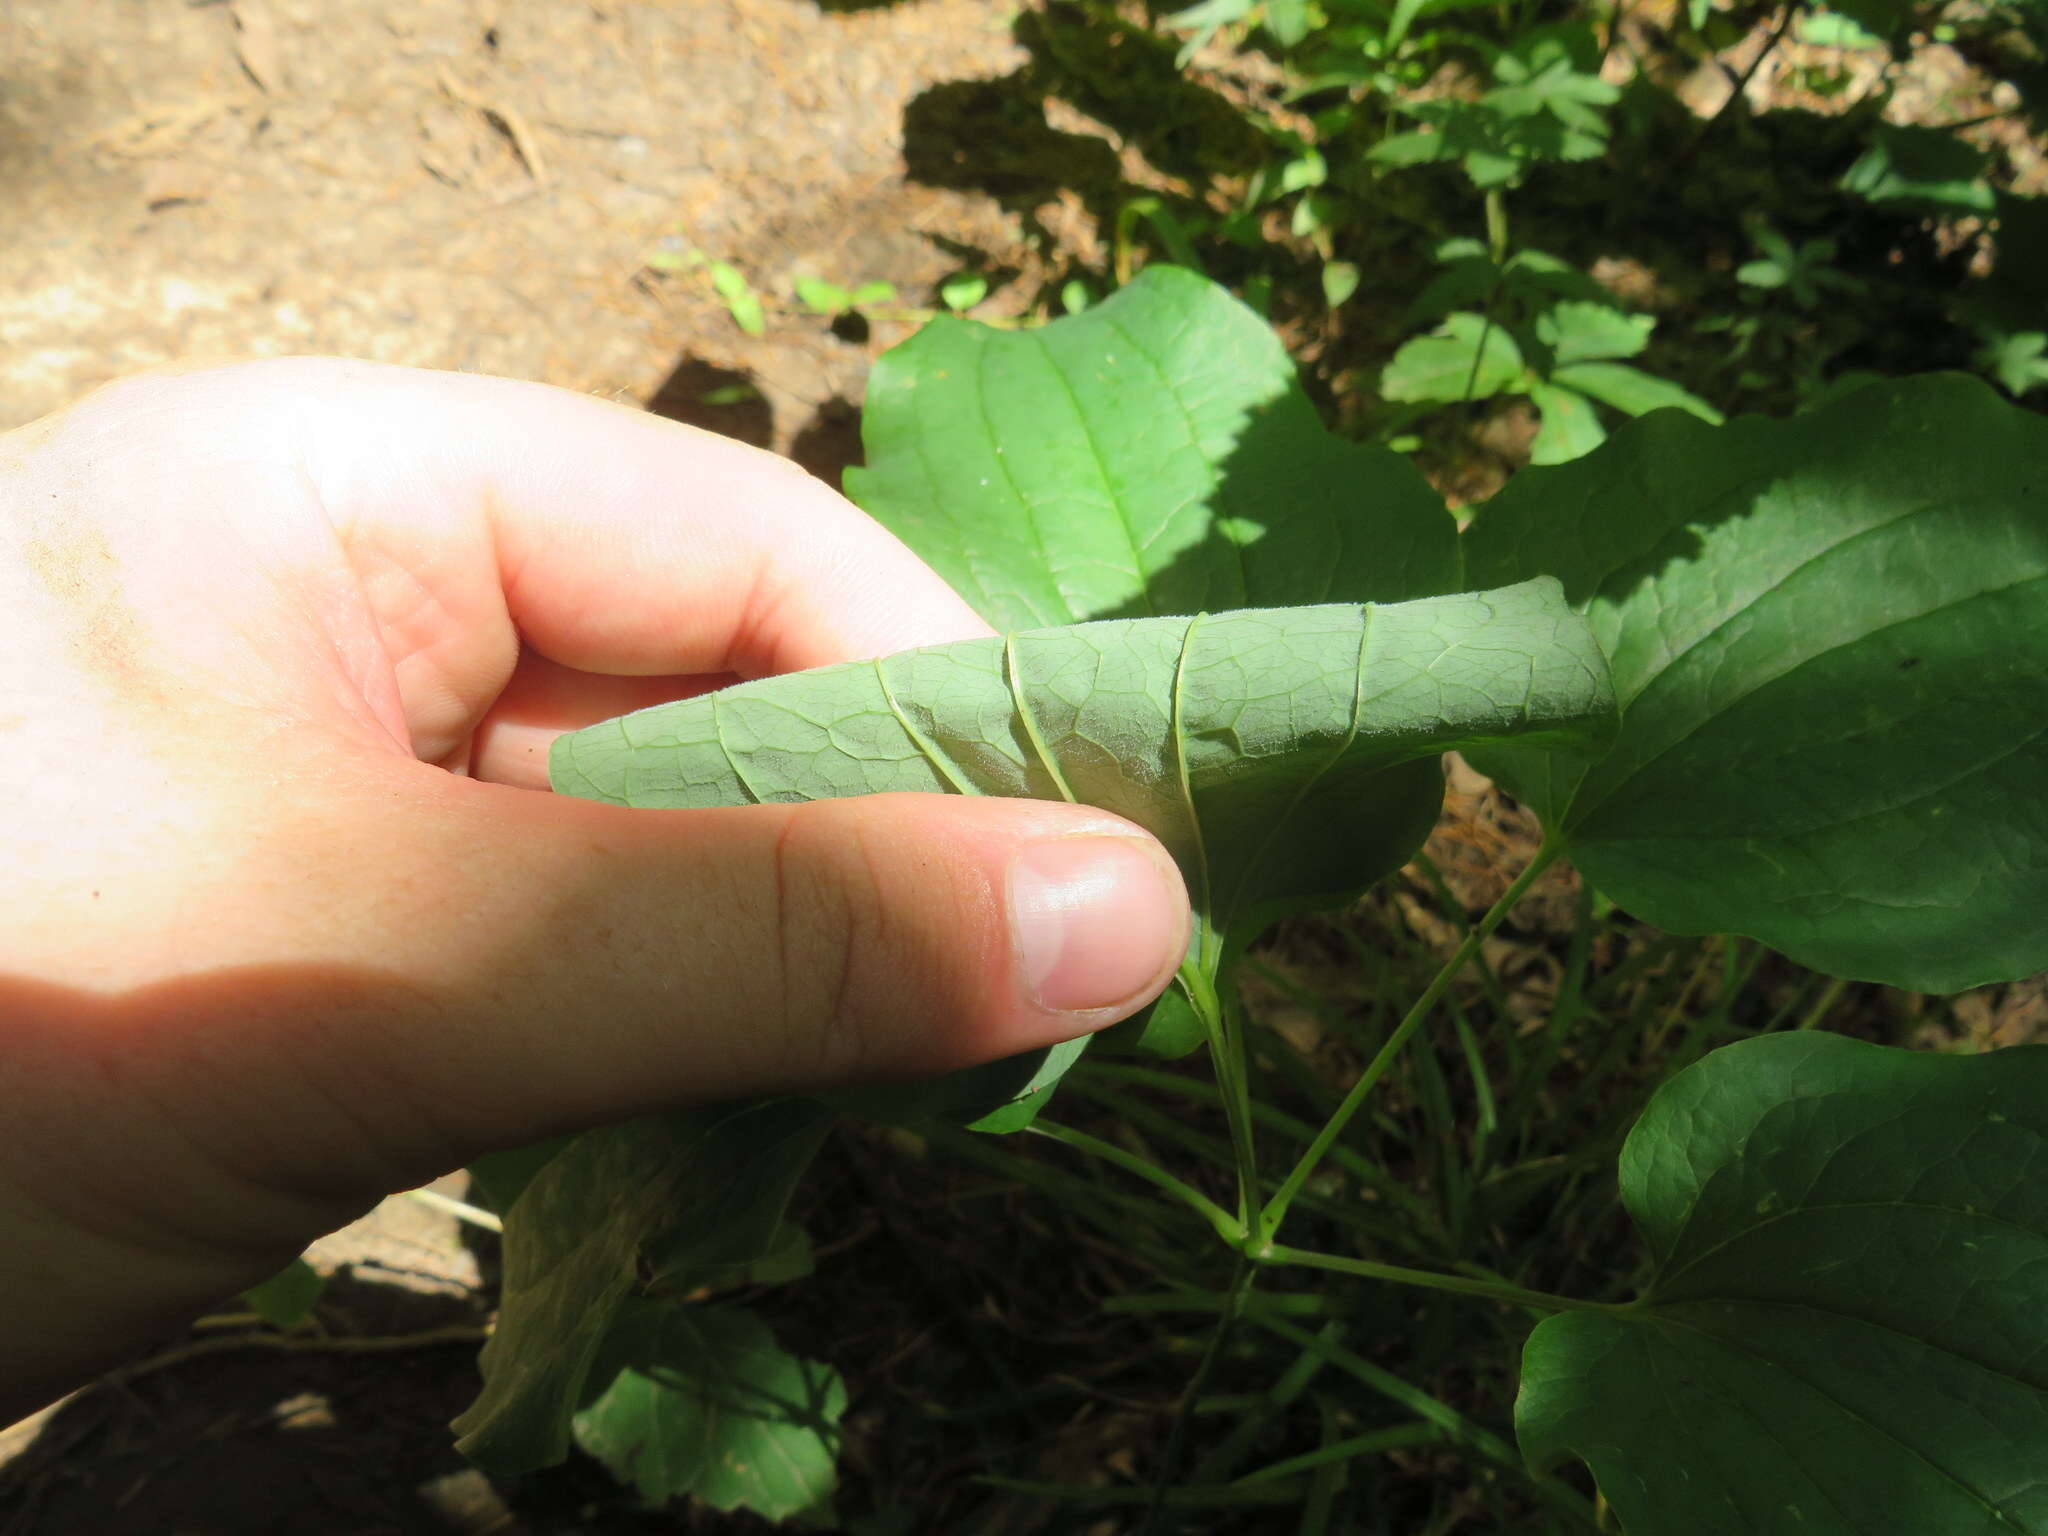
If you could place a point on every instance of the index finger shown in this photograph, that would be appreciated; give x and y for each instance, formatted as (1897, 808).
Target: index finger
(619, 542)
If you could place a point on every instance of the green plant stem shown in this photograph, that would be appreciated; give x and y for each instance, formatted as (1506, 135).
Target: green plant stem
(1463, 1285)
(1368, 1173)
(1497, 227)
(1770, 47)
(1276, 1208)
(1371, 1443)
(1456, 1427)
(1830, 995)
(1227, 1226)
(1222, 1017)
(1497, 251)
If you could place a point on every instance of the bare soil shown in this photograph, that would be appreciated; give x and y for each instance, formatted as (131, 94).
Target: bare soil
(473, 184)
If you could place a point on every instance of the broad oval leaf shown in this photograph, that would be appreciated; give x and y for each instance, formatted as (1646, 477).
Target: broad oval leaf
(706, 1405)
(1829, 637)
(1844, 1334)
(1285, 756)
(1154, 454)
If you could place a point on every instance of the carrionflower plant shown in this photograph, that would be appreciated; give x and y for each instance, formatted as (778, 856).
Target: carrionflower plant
(1783, 679)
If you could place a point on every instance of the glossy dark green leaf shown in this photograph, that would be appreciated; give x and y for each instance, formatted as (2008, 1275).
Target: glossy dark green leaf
(1844, 1334)
(1829, 637)
(1153, 454)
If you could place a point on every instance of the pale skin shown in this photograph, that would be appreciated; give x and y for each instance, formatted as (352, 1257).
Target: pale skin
(291, 921)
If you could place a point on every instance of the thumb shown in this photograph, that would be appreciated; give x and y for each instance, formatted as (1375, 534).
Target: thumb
(588, 963)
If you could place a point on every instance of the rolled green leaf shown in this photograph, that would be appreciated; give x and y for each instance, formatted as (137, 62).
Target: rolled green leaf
(1256, 745)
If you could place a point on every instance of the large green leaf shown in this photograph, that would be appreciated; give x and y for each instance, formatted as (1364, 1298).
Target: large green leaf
(1256, 745)
(706, 1405)
(671, 1202)
(1829, 637)
(1845, 1332)
(1151, 455)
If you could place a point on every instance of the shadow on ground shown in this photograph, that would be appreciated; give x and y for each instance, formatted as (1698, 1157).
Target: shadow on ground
(994, 136)
(730, 403)
(218, 1432)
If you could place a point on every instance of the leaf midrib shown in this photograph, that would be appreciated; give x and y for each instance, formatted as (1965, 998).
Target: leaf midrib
(1102, 475)
(1024, 503)
(1874, 813)
(1279, 823)
(1583, 812)
(1793, 1213)
(1734, 1344)
(1220, 523)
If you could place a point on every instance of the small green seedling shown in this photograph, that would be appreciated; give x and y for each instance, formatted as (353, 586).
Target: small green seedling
(741, 302)
(831, 300)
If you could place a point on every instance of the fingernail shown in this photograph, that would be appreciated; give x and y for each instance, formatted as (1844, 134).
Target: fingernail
(1096, 920)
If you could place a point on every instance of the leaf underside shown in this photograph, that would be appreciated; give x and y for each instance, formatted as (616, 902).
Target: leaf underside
(1256, 745)
(1845, 1333)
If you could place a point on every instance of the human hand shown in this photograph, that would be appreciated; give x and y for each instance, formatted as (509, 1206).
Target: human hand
(289, 924)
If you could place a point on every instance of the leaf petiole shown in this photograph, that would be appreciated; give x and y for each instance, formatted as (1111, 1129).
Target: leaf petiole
(1463, 1285)
(1227, 1226)
(1223, 1023)
(1276, 1208)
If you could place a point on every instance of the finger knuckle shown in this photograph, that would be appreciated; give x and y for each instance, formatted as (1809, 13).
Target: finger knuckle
(829, 899)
